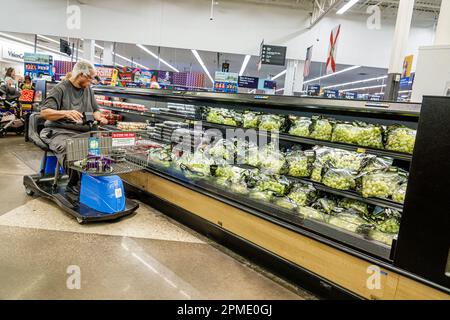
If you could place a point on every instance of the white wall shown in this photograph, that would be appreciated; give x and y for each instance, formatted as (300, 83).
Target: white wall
(237, 27)
(433, 72)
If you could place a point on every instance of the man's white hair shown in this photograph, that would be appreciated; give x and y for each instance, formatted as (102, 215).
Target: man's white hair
(82, 68)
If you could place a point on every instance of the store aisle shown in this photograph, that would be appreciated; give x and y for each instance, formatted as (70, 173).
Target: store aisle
(146, 256)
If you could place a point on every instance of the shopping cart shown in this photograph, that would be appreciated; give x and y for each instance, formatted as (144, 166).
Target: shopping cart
(99, 157)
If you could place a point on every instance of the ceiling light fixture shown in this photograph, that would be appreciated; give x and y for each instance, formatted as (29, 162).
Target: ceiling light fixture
(332, 74)
(347, 6)
(157, 58)
(100, 47)
(129, 60)
(278, 90)
(48, 39)
(279, 75)
(355, 82)
(244, 64)
(199, 59)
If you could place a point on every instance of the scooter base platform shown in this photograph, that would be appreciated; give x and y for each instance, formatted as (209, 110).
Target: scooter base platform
(35, 184)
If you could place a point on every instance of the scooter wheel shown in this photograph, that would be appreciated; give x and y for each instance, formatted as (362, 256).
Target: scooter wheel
(81, 221)
(29, 191)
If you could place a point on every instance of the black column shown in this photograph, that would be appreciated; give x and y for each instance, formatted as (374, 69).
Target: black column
(392, 86)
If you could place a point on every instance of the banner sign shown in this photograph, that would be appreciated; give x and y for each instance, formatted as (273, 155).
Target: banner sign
(226, 82)
(248, 82)
(351, 95)
(165, 77)
(407, 66)
(332, 94)
(307, 69)
(37, 58)
(331, 60)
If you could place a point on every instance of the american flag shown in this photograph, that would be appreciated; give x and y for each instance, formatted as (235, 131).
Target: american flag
(308, 60)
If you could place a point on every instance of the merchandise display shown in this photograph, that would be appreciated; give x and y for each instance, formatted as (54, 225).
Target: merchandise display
(331, 175)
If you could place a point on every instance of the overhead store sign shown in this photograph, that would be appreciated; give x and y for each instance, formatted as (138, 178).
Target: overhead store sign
(37, 58)
(273, 55)
(351, 95)
(11, 53)
(248, 82)
(226, 82)
(313, 90)
(332, 94)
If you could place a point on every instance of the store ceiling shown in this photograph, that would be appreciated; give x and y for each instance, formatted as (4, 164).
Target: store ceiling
(184, 60)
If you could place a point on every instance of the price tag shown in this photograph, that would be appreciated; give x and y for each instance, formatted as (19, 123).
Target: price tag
(123, 139)
(361, 150)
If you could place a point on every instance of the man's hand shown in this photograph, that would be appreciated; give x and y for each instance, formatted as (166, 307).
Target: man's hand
(103, 120)
(73, 115)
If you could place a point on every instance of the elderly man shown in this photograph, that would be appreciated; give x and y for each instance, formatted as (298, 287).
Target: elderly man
(65, 104)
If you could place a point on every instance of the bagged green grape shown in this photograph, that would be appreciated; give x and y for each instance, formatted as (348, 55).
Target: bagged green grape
(344, 132)
(375, 163)
(272, 122)
(321, 128)
(311, 213)
(401, 139)
(160, 156)
(285, 203)
(279, 185)
(299, 163)
(196, 164)
(214, 115)
(382, 237)
(327, 205)
(250, 119)
(228, 171)
(359, 206)
(273, 160)
(239, 187)
(302, 194)
(385, 219)
(340, 179)
(261, 195)
(223, 149)
(343, 159)
(369, 135)
(349, 220)
(400, 193)
(300, 126)
(381, 184)
(322, 155)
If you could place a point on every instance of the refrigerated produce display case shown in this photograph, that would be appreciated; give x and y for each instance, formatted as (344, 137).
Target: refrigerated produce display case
(317, 190)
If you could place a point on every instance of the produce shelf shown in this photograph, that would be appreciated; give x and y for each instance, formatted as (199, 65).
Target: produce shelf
(313, 142)
(156, 116)
(269, 211)
(386, 203)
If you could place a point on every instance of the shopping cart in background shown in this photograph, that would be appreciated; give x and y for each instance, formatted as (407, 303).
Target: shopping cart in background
(100, 157)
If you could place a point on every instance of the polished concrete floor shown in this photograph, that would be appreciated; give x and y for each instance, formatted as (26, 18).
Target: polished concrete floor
(46, 254)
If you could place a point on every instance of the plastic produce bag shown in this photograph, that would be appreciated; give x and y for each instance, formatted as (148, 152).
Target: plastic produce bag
(300, 163)
(300, 126)
(223, 149)
(400, 193)
(286, 203)
(261, 195)
(381, 184)
(375, 163)
(383, 237)
(349, 220)
(272, 122)
(343, 159)
(160, 156)
(356, 205)
(272, 160)
(340, 179)
(250, 120)
(359, 133)
(311, 213)
(195, 164)
(385, 219)
(214, 115)
(401, 139)
(322, 156)
(326, 205)
(321, 128)
(302, 194)
(279, 185)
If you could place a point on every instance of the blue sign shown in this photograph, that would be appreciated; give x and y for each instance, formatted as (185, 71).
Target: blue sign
(93, 146)
(332, 94)
(351, 95)
(248, 82)
(313, 90)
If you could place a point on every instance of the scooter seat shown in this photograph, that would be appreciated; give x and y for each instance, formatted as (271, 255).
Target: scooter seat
(35, 125)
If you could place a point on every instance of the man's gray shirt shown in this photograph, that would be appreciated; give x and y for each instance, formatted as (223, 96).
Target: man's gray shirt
(65, 96)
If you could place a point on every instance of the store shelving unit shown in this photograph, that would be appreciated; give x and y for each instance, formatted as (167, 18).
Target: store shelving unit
(356, 245)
